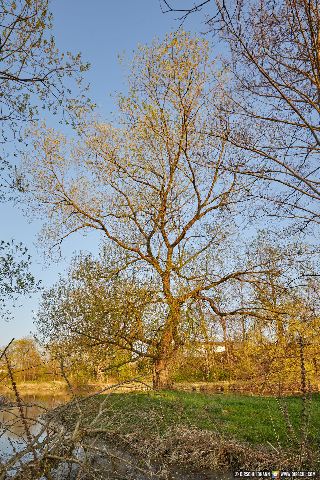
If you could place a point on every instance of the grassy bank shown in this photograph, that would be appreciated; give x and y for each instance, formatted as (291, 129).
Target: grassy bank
(210, 431)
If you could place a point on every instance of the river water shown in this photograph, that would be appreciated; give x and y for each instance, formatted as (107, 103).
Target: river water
(13, 431)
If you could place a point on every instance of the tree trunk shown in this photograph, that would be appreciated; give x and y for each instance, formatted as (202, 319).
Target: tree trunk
(161, 379)
(280, 329)
(223, 322)
(167, 349)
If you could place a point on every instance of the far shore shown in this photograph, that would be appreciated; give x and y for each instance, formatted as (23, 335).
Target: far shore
(55, 387)
(60, 387)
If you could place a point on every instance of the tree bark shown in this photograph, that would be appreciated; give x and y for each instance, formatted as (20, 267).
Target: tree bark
(161, 378)
(167, 348)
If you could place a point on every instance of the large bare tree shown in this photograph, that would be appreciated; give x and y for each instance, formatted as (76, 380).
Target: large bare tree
(274, 56)
(153, 184)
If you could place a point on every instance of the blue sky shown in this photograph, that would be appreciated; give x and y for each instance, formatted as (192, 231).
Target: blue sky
(100, 29)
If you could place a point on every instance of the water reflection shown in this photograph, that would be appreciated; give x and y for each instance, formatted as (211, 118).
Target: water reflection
(14, 430)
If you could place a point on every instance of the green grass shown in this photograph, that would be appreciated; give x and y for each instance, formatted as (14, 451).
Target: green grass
(257, 420)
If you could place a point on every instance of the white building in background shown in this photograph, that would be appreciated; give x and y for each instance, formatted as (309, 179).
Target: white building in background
(219, 348)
